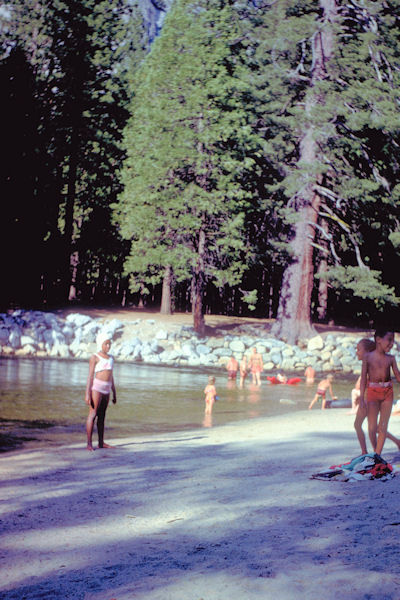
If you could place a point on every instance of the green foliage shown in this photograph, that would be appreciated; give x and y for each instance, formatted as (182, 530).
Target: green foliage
(363, 283)
(189, 146)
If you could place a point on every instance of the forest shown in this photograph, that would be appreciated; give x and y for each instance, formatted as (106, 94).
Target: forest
(242, 159)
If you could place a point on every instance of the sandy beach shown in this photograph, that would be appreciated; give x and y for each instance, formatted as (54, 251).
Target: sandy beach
(209, 514)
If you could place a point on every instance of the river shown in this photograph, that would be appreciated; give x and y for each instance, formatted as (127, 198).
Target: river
(42, 401)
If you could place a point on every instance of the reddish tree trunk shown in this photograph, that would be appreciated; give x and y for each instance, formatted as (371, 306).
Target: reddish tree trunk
(294, 312)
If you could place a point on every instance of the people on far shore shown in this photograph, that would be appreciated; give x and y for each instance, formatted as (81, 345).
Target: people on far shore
(376, 387)
(232, 366)
(323, 387)
(363, 347)
(256, 366)
(309, 374)
(100, 384)
(210, 395)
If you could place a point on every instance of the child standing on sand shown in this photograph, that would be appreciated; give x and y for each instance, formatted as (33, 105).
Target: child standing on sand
(376, 388)
(210, 395)
(99, 385)
(363, 347)
(323, 387)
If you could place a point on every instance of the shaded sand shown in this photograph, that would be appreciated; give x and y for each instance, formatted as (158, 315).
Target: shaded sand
(212, 514)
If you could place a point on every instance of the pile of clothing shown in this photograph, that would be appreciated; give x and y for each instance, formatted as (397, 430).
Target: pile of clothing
(366, 466)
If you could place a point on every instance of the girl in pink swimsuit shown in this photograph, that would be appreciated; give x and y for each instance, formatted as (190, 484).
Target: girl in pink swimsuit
(100, 383)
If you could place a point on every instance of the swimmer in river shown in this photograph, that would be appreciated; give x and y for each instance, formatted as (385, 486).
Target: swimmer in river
(256, 366)
(210, 395)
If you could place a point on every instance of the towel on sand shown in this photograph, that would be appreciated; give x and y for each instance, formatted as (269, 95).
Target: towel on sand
(366, 466)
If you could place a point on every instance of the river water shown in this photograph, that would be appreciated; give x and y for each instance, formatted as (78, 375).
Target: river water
(42, 401)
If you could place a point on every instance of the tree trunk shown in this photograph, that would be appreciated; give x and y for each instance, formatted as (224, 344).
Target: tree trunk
(69, 213)
(322, 281)
(294, 312)
(198, 288)
(166, 299)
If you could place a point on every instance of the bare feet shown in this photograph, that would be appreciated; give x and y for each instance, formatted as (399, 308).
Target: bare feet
(106, 446)
(90, 448)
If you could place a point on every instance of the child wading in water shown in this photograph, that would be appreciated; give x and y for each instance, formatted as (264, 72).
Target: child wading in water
(363, 347)
(376, 388)
(211, 394)
(323, 386)
(99, 385)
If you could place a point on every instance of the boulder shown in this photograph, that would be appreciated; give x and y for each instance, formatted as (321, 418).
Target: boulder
(4, 335)
(237, 346)
(27, 340)
(275, 358)
(214, 342)
(78, 320)
(15, 339)
(202, 350)
(161, 334)
(269, 366)
(315, 343)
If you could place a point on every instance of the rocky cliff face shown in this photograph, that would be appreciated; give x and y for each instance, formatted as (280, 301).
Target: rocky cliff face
(154, 12)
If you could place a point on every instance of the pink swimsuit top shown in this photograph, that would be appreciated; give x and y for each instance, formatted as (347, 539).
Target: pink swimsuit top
(104, 364)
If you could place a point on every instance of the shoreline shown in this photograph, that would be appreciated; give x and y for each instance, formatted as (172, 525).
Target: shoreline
(215, 514)
(171, 340)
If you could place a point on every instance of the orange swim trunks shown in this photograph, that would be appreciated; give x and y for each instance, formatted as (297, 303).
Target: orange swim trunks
(379, 392)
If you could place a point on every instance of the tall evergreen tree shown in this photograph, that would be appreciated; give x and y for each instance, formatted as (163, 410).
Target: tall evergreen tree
(190, 145)
(80, 56)
(327, 102)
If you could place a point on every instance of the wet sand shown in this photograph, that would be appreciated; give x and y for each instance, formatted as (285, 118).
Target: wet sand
(211, 514)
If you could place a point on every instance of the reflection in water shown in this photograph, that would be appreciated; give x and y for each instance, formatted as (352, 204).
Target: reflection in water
(45, 398)
(255, 392)
(207, 421)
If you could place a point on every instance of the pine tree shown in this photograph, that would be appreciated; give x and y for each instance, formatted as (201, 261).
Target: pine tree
(327, 102)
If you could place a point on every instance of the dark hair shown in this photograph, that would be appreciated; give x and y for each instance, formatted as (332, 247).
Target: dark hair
(368, 345)
(382, 331)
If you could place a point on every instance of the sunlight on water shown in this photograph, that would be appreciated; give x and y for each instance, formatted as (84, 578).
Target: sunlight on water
(42, 401)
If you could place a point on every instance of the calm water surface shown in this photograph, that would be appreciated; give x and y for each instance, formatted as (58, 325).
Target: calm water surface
(42, 401)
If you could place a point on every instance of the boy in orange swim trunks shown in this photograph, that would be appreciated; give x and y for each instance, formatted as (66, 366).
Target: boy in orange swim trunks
(363, 347)
(377, 388)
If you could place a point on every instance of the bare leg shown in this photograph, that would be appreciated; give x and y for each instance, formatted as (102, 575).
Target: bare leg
(384, 416)
(358, 421)
(258, 378)
(355, 395)
(313, 401)
(373, 412)
(394, 439)
(101, 415)
(96, 398)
